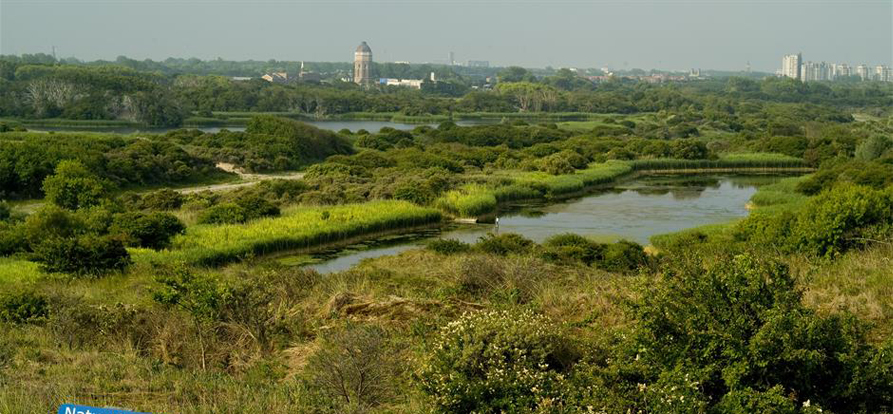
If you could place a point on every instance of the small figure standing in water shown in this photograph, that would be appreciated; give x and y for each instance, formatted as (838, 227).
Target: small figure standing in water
(497, 224)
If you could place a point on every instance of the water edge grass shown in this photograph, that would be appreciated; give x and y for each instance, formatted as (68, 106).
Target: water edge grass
(299, 227)
(17, 270)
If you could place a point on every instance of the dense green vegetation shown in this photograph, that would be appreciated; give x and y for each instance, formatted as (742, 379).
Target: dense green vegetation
(177, 302)
(175, 92)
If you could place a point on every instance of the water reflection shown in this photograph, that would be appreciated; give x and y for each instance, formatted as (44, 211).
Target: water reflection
(635, 210)
(353, 126)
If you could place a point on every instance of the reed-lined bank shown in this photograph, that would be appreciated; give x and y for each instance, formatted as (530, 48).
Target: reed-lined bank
(478, 200)
(298, 228)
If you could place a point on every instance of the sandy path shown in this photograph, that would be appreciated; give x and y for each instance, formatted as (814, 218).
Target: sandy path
(248, 179)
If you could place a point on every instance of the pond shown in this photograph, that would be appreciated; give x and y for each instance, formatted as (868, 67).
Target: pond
(633, 210)
(354, 126)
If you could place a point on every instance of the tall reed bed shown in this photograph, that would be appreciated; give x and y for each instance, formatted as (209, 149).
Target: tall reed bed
(473, 200)
(470, 200)
(297, 228)
(557, 185)
(729, 161)
(780, 193)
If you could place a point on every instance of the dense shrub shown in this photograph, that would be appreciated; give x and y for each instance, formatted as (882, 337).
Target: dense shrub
(872, 147)
(738, 330)
(5, 211)
(495, 361)
(22, 306)
(12, 239)
(873, 174)
(504, 244)
(152, 230)
(570, 248)
(256, 206)
(72, 186)
(556, 164)
(833, 221)
(49, 222)
(226, 213)
(165, 199)
(82, 255)
(622, 256)
(836, 220)
(301, 142)
(448, 246)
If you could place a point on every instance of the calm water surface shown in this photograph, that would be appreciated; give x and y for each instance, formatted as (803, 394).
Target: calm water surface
(635, 210)
(354, 126)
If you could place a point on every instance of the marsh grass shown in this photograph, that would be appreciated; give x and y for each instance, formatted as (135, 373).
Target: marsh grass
(780, 193)
(470, 200)
(766, 161)
(13, 270)
(859, 282)
(299, 227)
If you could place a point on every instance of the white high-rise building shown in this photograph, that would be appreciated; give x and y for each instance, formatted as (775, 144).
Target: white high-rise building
(863, 72)
(791, 66)
(882, 73)
(842, 70)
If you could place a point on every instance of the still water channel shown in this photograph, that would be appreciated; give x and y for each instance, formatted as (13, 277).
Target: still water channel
(633, 210)
(353, 126)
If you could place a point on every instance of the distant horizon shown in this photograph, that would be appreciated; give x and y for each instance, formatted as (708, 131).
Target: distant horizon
(673, 35)
(459, 64)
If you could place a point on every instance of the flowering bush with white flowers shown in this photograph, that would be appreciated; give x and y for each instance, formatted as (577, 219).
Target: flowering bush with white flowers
(496, 361)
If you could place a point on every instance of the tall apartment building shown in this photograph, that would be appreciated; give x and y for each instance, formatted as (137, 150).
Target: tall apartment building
(817, 71)
(842, 70)
(791, 66)
(863, 72)
(883, 73)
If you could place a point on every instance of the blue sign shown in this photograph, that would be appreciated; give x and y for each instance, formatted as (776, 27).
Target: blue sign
(83, 409)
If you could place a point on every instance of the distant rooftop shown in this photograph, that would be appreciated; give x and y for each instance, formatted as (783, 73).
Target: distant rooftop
(363, 47)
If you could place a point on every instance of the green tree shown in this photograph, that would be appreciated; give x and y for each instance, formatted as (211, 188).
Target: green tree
(73, 186)
(872, 147)
(153, 230)
(736, 331)
(515, 74)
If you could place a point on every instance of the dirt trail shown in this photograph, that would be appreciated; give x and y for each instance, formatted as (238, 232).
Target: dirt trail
(248, 179)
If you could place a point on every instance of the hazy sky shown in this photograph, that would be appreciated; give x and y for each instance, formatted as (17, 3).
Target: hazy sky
(667, 34)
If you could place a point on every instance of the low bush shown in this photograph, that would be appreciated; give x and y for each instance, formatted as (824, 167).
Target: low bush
(82, 255)
(152, 230)
(22, 306)
(72, 186)
(448, 246)
(622, 256)
(836, 220)
(496, 361)
(874, 174)
(504, 244)
(734, 333)
(833, 221)
(164, 200)
(227, 213)
(354, 368)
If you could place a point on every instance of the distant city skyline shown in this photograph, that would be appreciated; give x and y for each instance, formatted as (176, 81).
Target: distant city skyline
(657, 34)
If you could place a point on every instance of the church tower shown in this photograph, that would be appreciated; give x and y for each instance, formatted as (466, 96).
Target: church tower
(362, 65)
